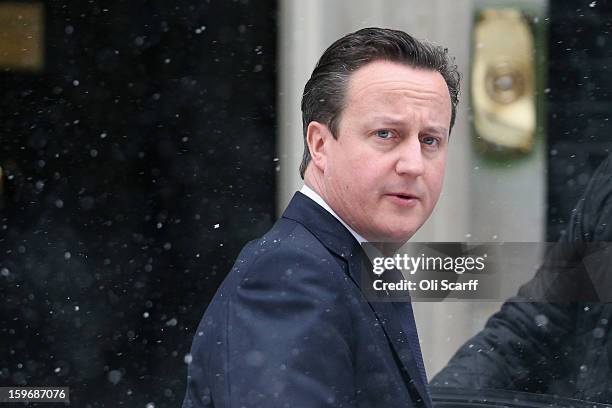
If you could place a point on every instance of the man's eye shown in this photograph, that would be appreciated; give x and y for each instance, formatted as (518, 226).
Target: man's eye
(430, 141)
(383, 134)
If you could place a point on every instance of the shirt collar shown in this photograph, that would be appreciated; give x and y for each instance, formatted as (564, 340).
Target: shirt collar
(314, 196)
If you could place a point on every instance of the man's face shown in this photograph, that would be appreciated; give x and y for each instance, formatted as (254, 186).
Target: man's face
(383, 174)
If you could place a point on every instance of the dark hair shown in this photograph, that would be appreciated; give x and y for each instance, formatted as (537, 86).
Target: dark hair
(324, 93)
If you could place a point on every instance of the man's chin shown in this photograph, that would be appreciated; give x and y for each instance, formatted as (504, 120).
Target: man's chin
(394, 236)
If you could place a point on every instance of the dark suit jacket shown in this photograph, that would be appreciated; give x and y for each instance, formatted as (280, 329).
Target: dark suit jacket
(289, 327)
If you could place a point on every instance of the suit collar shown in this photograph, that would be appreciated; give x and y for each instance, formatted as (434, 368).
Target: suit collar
(323, 225)
(314, 196)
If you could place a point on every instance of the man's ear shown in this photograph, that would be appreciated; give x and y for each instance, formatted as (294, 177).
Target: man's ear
(318, 138)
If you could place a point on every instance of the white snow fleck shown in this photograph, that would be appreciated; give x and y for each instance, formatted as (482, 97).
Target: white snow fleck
(599, 333)
(541, 320)
(114, 376)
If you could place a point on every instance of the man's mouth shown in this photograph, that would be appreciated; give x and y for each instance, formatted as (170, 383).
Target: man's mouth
(403, 198)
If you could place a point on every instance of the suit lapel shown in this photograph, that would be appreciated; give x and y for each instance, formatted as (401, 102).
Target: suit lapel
(339, 240)
(389, 317)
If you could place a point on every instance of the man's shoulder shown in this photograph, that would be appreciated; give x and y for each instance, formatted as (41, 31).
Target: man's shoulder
(288, 245)
(285, 236)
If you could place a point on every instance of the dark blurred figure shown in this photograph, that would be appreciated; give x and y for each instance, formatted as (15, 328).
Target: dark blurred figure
(562, 348)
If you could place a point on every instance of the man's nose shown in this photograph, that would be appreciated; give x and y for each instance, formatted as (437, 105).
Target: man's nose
(410, 157)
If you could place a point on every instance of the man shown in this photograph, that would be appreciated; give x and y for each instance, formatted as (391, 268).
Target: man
(290, 326)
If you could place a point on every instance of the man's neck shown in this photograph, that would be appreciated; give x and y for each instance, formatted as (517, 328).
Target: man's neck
(372, 250)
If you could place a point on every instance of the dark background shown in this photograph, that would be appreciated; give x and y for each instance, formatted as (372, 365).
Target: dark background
(108, 247)
(152, 123)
